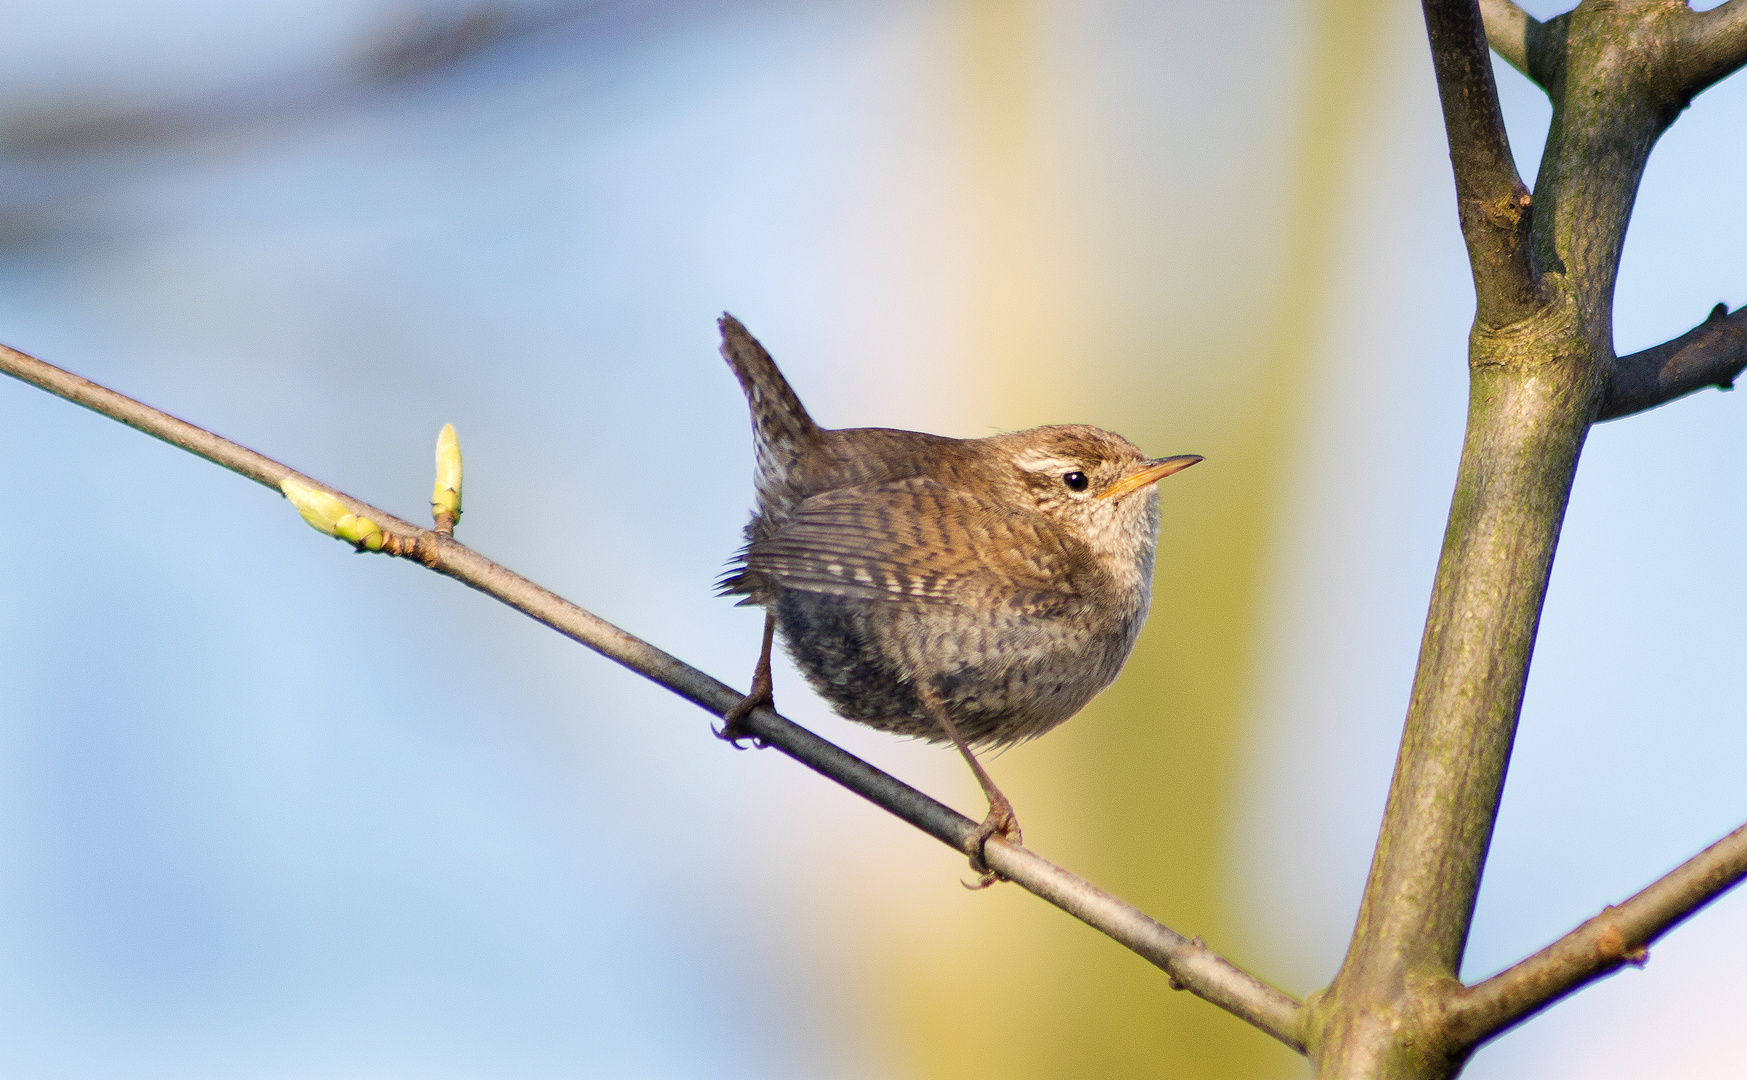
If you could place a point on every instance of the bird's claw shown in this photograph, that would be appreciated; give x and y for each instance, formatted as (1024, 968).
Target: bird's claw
(733, 730)
(1001, 821)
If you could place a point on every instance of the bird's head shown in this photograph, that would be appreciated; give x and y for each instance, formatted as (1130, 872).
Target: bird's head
(1095, 483)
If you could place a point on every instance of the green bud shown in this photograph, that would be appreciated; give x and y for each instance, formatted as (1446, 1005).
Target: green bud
(327, 514)
(360, 531)
(446, 493)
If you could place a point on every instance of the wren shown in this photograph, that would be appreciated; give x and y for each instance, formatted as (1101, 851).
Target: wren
(977, 591)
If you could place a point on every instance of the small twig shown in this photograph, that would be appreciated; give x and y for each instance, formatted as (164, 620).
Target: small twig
(1618, 936)
(1713, 353)
(1511, 32)
(1533, 47)
(1189, 963)
(1490, 196)
(1713, 44)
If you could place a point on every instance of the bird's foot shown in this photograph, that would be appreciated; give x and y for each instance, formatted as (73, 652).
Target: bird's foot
(733, 729)
(1002, 822)
(1000, 819)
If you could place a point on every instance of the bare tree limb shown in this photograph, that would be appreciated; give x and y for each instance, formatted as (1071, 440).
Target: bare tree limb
(1618, 936)
(1540, 361)
(1492, 202)
(1189, 963)
(1713, 353)
(1713, 44)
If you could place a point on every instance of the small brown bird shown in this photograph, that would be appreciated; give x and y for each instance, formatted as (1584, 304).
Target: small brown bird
(973, 590)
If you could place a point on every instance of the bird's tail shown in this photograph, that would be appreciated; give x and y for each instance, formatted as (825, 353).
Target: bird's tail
(779, 420)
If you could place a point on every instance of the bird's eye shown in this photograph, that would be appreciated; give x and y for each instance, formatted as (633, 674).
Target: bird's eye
(1076, 481)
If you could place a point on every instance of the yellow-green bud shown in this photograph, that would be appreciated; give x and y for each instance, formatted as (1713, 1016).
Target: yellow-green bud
(360, 531)
(327, 514)
(446, 493)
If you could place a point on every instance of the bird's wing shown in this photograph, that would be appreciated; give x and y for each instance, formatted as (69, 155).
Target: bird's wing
(920, 542)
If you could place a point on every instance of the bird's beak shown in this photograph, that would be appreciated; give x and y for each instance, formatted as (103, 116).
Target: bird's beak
(1150, 473)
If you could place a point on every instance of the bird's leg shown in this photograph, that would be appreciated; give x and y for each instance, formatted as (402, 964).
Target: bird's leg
(732, 728)
(1000, 819)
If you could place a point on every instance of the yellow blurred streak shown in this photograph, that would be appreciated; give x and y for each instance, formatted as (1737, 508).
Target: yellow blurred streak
(1137, 792)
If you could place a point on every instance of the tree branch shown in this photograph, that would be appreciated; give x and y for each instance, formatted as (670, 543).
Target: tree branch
(1540, 360)
(1617, 937)
(1189, 963)
(1513, 34)
(1490, 197)
(1713, 353)
(1713, 44)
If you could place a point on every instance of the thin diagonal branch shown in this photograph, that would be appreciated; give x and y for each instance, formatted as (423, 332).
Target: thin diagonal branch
(1189, 963)
(1618, 936)
(1490, 196)
(1713, 44)
(1713, 353)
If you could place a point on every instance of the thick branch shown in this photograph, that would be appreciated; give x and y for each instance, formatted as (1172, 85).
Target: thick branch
(1511, 491)
(1713, 353)
(1490, 197)
(1536, 383)
(1713, 44)
(1618, 936)
(1189, 963)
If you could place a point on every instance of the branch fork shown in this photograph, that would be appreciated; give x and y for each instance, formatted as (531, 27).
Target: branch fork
(1543, 369)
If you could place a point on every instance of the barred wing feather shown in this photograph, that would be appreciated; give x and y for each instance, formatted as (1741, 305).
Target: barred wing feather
(889, 541)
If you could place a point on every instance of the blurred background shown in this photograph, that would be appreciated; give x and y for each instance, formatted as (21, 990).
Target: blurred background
(268, 809)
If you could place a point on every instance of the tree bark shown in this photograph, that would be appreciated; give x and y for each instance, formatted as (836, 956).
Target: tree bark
(1541, 363)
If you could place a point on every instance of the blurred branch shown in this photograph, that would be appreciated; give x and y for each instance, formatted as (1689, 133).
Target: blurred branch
(62, 149)
(415, 42)
(1189, 963)
(1713, 353)
(1618, 936)
(418, 40)
(1713, 44)
(1490, 197)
